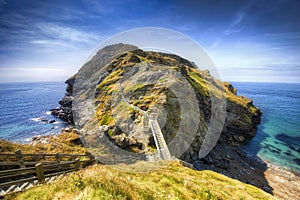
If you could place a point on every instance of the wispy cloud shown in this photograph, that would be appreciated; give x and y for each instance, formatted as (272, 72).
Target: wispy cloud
(216, 43)
(279, 68)
(242, 34)
(238, 19)
(235, 26)
(283, 35)
(66, 33)
(232, 31)
(51, 43)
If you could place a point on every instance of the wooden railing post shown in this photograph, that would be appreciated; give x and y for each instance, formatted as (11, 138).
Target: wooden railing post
(57, 156)
(40, 172)
(77, 164)
(20, 158)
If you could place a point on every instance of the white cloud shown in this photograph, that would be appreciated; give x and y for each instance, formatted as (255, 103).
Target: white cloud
(59, 32)
(55, 53)
(51, 43)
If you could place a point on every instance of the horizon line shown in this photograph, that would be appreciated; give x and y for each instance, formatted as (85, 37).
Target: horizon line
(63, 81)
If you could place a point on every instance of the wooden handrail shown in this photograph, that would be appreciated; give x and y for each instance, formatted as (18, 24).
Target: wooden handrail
(42, 172)
(42, 154)
(12, 171)
(21, 159)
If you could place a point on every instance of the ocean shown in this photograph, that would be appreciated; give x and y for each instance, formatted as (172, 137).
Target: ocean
(22, 105)
(278, 137)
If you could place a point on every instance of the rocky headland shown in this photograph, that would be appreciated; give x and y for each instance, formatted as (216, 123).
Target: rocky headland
(64, 112)
(153, 90)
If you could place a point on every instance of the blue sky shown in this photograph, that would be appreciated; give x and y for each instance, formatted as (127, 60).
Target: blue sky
(248, 40)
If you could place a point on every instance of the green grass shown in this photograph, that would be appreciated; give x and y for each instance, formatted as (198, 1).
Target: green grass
(198, 83)
(110, 132)
(133, 88)
(207, 88)
(106, 119)
(169, 182)
(110, 79)
(61, 143)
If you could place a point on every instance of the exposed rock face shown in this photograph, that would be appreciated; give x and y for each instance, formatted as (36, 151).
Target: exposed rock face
(102, 57)
(64, 112)
(152, 77)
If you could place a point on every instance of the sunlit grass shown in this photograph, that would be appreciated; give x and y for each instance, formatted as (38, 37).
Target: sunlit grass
(171, 181)
(61, 143)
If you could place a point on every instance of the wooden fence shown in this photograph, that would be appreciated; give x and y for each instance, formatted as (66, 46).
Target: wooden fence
(35, 169)
(18, 159)
(13, 180)
(186, 164)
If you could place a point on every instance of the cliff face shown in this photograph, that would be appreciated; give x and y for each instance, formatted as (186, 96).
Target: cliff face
(148, 80)
(64, 112)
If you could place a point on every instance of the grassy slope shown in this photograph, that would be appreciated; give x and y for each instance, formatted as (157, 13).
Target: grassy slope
(169, 182)
(62, 143)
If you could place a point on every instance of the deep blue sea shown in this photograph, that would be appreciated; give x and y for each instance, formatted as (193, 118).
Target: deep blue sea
(277, 139)
(23, 104)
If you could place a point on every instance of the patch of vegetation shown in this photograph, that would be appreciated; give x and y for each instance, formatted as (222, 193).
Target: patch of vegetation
(241, 101)
(152, 148)
(247, 118)
(163, 80)
(133, 88)
(106, 120)
(110, 132)
(169, 182)
(198, 83)
(215, 87)
(206, 87)
(110, 79)
(66, 142)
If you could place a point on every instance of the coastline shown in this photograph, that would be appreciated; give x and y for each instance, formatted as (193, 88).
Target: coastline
(285, 183)
(279, 182)
(276, 180)
(232, 161)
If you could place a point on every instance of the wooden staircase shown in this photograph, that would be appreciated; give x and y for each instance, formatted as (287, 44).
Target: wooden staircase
(161, 145)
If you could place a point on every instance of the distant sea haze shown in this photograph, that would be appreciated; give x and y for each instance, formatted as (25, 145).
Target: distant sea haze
(23, 105)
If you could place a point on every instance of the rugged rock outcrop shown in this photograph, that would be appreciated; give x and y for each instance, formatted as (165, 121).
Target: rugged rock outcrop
(149, 80)
(103, 56)
(64, 112)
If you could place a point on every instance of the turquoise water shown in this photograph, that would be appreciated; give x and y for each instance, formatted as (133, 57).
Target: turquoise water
(21, 106)
(278, 136)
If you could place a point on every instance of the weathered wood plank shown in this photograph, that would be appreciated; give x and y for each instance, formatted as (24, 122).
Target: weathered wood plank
(15, 171)
(40, 172)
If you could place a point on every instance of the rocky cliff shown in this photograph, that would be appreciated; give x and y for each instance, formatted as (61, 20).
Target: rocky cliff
(148, 80)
